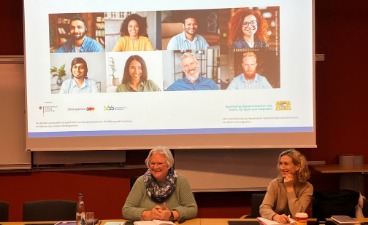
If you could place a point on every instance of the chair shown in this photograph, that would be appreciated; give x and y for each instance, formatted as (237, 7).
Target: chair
(256, 201)
(337, 202)
(49, 210)
(4, 211)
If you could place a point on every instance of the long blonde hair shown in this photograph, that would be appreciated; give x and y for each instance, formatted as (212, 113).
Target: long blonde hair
(298, 159)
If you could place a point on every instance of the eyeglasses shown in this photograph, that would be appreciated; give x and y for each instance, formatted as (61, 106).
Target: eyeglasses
(158, 164)
(251, 23)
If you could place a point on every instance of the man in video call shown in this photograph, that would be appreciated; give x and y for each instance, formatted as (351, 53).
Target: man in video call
(78, 41)
(192, 80)
(79, 82)
(249, 79)
(188, 39)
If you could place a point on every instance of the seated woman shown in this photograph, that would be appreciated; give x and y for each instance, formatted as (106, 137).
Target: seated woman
(135, 77)
(248, 29)
(134, 35)
(290, 192)
(161, 193)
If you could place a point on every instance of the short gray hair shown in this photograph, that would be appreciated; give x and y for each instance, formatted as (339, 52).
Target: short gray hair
(165, 151)
(188, 54)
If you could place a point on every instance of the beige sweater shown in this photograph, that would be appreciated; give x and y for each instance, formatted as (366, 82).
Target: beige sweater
(277, 200)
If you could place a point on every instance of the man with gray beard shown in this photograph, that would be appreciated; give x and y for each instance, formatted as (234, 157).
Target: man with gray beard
(192, 80)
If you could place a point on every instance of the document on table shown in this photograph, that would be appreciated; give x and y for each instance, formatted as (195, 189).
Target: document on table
(264, 221)
(154, 222)
(66, 223)
(116, 223)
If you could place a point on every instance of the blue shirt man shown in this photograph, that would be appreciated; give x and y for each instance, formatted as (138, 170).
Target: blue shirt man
(88, 45)
(249, 79)
(188, 39)
(79, 82)
(201, 83)
(192, 80)
(180, 42)
(79, 42)
(240, 82)
(70, 86)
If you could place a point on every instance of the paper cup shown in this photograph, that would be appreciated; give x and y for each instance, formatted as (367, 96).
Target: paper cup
(301, 218)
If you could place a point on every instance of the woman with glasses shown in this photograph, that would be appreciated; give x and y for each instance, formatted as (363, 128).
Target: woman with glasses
(161, 193)
(248, 29)
(290, 192)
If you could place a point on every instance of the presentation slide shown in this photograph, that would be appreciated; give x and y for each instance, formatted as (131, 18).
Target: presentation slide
(193, 74)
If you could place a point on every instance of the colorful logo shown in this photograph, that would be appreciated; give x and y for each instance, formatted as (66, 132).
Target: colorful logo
(89, 108)
(283, 105)
(113, 108)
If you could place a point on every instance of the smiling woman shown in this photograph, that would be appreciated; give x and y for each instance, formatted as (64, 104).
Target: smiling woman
(161, 193)
(134, 35)
(248, 29)
(135, 77)
(290, 186)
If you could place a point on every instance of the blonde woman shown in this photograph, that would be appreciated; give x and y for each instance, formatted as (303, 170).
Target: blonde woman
(290, 192)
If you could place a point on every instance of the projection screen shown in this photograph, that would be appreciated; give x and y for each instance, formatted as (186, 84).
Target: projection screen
(210, 103)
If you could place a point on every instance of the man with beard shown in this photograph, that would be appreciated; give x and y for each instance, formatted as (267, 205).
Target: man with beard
(188, 39)
(78, 41)
(79, 82)
(249, 79)
(192, 80)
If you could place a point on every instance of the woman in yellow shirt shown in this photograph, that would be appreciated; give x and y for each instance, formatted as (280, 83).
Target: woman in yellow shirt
(134, 35)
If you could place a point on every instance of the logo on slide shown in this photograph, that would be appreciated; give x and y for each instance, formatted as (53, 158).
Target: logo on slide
(283, 105)
(111, 107)
(47, 109)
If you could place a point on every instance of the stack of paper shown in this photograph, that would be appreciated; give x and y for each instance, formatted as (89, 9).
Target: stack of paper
(264, 221)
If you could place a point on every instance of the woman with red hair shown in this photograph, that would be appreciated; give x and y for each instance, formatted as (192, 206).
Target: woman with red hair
(248, 29)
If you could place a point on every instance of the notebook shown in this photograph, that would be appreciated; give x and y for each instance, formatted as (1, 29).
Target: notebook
(264, 221)
(343, 219)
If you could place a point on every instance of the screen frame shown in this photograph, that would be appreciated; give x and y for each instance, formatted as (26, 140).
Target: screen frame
(295, 137)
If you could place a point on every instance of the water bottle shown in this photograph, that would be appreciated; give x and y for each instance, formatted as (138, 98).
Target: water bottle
(81, 211)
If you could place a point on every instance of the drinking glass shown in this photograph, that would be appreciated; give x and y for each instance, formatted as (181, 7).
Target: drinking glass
(90, 218)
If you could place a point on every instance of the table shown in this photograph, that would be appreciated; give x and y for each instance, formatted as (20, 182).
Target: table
(196, 221)
(350, 177)
(223, 221)
(336, 168)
